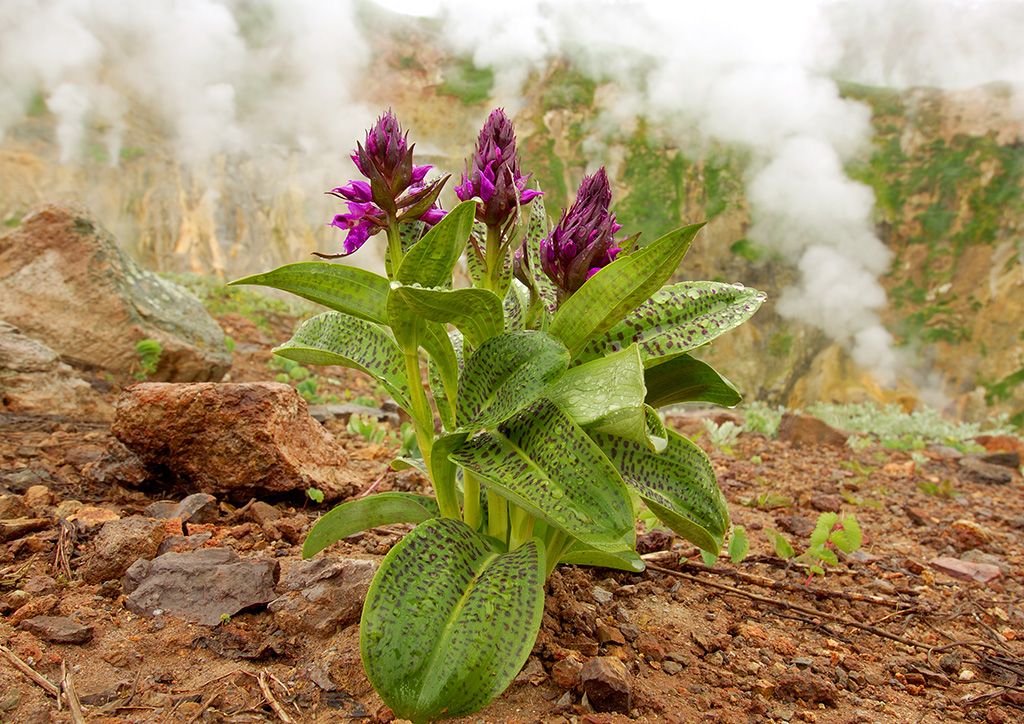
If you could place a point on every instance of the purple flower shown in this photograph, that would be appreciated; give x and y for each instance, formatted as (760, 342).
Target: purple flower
(394, 191)
(582, 242)
(492, 174)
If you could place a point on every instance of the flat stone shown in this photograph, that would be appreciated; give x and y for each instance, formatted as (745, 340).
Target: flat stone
(13, 529)
(985, 472)
(12, 506)
(609, 635)
(119, 544)
(966, 570)
(200, 586)
(18, 481)
(607, 684)
(57, 629)
(566, 673)
(235, 440)
(323, 595)
(808, 688)
(1007, 459)
(196, 508)
(808, 430)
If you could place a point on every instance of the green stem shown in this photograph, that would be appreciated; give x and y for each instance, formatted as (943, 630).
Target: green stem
(558, 544)
(394, 246)
(497, 516)
(423, 424)
(520, 526)
(471, 514)
(494, 261)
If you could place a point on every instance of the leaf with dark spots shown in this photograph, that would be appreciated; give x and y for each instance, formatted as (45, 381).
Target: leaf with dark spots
(354, 516)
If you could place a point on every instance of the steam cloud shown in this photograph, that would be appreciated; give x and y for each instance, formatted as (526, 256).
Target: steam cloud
(245, 76)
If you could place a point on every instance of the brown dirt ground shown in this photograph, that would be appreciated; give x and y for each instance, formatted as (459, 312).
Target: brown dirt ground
(882, 637)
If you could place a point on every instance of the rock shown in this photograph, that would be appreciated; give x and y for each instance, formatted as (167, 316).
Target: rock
(89, 517)
(57, 629)
(238, 440)
(808, 688)
(200, 586)
(197, 508)
(343, 412)
(118, 466)
(566, 673)
(1007, 459)
(40, 586)
(609, 635)
(12, 506)
(13, 601)
(289, 529)
(182, 543)
(323, 595)
(39, 606)
(64, 280)
(18, 527)
(985, 472)
(966, 570)
(119, 544)
(671, 667)
(607, 684)
(808, 430)
(826, 503)
(1001, 443)
(263, 513)
(18, 481)
(602, 595)
(39, 498)
(33, 378)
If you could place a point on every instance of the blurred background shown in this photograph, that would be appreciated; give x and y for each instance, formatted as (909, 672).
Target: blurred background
(858, 160)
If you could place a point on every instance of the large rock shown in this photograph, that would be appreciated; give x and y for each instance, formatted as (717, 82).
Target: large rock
(64, 281)
(239, 440)
(119, 544)
(33, 379)
(323, 595)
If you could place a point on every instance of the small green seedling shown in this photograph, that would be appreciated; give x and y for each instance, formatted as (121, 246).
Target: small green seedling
(372, 430)
(831, 534)
(315, 494)
(722, 436)
(149, 351)
(943, 489)
(737, 548)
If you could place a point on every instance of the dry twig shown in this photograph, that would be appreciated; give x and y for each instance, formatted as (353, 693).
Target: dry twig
(274, 703)
(67, 683)
(46, 685)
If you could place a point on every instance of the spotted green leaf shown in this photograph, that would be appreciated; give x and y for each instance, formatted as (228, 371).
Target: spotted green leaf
(678, 485)
(676, 319)
(544, 462)
(444, 378)
(686, 379)
(431, 260)
(477, 313)
(365, 513)
(448, 621)
(505, 374)
(615, 291)
(347, 289)
(603, 391)
(582, 555)
(333, 338)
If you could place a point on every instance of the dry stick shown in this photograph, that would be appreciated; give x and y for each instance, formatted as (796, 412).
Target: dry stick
(269, 696)
(68, 685)
(203, 706)
(47, 686)
(792, 606)
(794, 587)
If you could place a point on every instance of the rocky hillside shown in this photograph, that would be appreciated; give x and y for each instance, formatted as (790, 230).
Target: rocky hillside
(946, 170)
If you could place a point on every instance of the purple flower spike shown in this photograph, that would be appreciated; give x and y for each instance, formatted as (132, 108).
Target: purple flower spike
(492, 174)
(583, 242)
(362, 222)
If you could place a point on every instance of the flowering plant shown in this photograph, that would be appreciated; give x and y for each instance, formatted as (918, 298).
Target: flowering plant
(545, 375)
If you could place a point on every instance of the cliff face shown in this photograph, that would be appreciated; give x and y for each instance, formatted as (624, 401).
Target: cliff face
(946, 168)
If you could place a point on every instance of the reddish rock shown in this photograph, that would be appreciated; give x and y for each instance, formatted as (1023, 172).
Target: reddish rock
(58, 629)
(64, 280)
(966, 570)
(807, 430)
(607, 684)
(119, 544)
(323, 595)
(237, 440)
(807, 688)
(566, 673)
(1001, 443)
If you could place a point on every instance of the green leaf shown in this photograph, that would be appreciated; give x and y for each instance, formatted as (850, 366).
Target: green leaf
(448, 622)
(403, 463)
(431, 260)
(477, 313)
(592, 394)
(506, 374)
(365, 513)
(677, 319)
(824, 554)
(823, 528)
(615, 291)
(782, 547)
(847, 537)
(537, 230)
(409, 328)
(678, 485)
(685, 379)
(739, 546)
(516, 305)
(583, 555)
(545, 463)
(708, 558)
(443, 375)
(342, 288)
(333, 338)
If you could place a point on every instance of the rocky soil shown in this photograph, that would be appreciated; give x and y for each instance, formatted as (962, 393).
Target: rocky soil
(169, 604)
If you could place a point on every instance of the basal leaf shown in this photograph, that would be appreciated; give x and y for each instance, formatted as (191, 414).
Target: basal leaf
(545, 463)
(443, 374)
(477, 313)
(431, 260)
(342, 288)
(677, 319)
(615, 291)
(516, 305)
(685, 379)
(596, 393)
(448, 622)
(333, 338)
(678, 485)
(582, 555)
(505, 374)
(365, 513)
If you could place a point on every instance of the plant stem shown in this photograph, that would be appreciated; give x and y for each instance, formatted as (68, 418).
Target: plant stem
(520, 526)
(497, 516)
(558, 544)
(471, 514)
(394, 246)
(494, 261)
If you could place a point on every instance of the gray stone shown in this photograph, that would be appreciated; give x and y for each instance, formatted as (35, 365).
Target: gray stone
(58, 629)
(64, 280)
(200, 586)
(18, 481)
(196, 508)
(984, 472)
(182, 543)
(12, 506)
(323, 595)
(119, 544)
(602, 595)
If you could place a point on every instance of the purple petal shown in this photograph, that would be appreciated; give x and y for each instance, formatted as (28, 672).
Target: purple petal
(358, 191)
